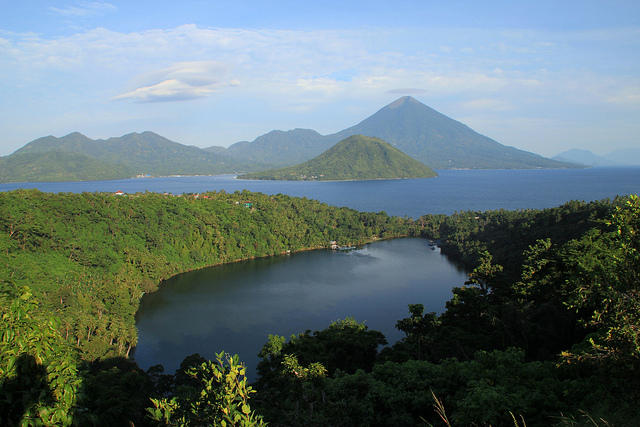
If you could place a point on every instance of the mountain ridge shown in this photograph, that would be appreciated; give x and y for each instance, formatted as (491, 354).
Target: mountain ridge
(128, 155)
(407, 124)
(294, 145)
(58, 166)
(416, 129)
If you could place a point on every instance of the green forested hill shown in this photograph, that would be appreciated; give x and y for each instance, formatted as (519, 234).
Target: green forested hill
(121, 157)
(281, 148)
(546, 331)
(90, 257)
(73, 268)
(354, 158)
(58, 166)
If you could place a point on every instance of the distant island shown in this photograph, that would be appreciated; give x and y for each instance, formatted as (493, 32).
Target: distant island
(357, 157)
(623, 157)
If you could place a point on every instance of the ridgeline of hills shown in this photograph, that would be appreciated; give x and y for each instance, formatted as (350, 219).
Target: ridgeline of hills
(625, 157)
(357, 157)
(58, 165)
(417, 130)
(410, 126)
(76, 157)
(281, 148)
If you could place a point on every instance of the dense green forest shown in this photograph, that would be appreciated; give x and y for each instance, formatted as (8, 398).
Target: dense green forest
(356, 157)
(90, 257)
(75, 157)
(58, 166)
(545, 331)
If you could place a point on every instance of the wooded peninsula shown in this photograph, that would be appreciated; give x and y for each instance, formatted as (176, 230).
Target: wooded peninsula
(545, 331)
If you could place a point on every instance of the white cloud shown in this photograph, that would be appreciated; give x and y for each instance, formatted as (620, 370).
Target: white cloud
(180, 82)
(507, 73)
(167, 90)
(629, 96)
(285, 59)
(85, 8)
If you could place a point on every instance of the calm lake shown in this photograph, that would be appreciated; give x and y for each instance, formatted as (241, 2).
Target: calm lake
(234, 307)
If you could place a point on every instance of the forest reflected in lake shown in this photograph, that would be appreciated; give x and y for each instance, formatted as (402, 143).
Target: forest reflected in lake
(234, 307)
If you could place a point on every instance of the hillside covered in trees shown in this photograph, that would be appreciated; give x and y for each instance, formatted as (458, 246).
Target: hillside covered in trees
(75, 157)
(89, 258)
(545, 331)
(357, 157)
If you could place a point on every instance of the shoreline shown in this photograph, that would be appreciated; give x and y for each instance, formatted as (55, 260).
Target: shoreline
(374, 239)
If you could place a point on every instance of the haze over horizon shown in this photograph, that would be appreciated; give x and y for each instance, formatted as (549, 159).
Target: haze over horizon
(543, 77)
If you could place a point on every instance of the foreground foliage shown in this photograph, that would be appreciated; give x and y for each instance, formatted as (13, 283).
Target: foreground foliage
(90, 257)
(552, 338)
(38, 372)
(217, 394)
(545, 331)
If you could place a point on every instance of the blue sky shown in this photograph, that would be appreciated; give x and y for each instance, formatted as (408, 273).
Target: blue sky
(541, 76)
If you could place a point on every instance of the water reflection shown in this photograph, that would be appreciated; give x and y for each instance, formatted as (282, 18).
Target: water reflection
(234, 307)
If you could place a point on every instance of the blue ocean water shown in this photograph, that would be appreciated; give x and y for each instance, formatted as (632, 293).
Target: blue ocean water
(452, 190)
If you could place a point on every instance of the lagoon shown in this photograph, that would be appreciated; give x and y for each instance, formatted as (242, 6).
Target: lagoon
(234, 307)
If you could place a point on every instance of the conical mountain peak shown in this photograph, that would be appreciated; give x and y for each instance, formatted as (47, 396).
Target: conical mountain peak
(409, 125)
(403, 101)
(75, 135)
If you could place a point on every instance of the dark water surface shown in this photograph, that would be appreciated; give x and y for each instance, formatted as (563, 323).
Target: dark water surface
(453, 190)
(234, 307)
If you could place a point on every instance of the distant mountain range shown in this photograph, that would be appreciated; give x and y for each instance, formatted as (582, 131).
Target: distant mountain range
(624, 157)
(407, 124)
(75, 157)
(357, 157)
(410, 126)
(58, 166)
(281, 148)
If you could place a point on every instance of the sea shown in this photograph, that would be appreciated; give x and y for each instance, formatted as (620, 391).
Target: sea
(451, 191)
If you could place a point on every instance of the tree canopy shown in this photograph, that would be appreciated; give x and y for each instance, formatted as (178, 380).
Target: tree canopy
(545, 330)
